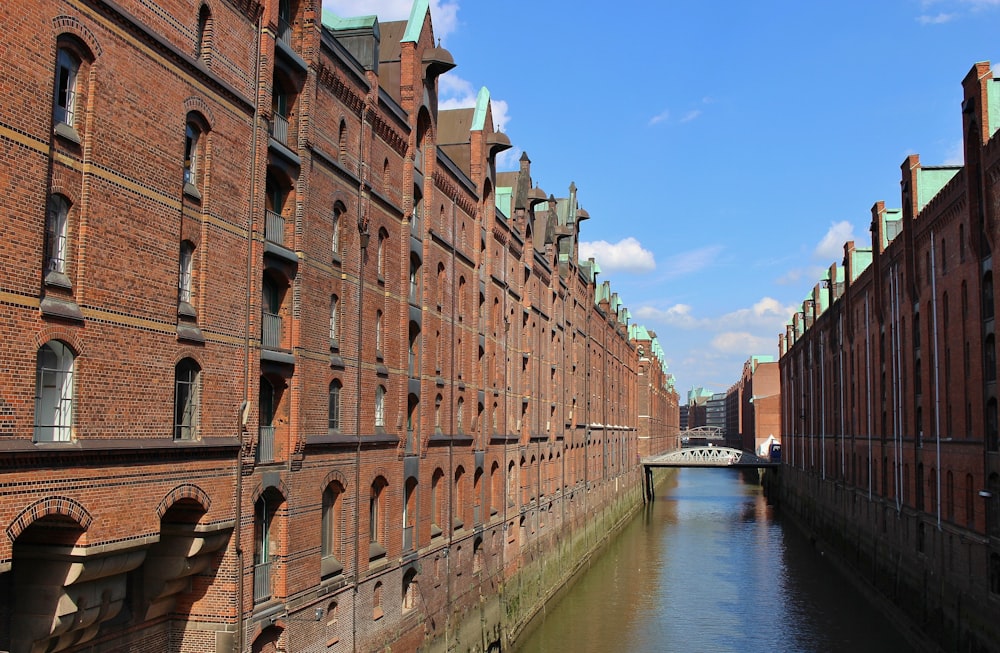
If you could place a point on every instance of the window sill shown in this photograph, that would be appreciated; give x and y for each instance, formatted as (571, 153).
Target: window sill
(185, 309)
(375, 551)
(58, 279)
(192, 191)
(67, 132)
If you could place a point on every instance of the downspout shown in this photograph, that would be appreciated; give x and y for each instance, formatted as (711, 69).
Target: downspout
(868, 392)
(897, 433)
(822, 405)
(244, 409)
(937, 383)
(840, 382)
(363, 237)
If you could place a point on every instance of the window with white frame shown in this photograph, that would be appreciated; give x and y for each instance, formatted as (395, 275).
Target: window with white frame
(192, 136)
(333, 419)
(187, 395)
(338, 211)
(185, 266)
(56, 228)
(378, 333)
(67, 71)
(380, 407)
(334, 320)
(54, 392)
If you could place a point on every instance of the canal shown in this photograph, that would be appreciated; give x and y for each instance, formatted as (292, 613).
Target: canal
(709, 566)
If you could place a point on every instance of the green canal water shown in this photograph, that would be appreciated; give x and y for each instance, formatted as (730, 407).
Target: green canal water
(710, 567)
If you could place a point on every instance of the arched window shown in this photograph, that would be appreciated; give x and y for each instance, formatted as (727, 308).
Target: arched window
(203, 46)
(409, 598)
(376, 518)
(378, 334)
(437, 502)
(265, 547)
(330, 535)
(459, 415)
(437, 413)
(377, 612)
(338, 212)
(409, 513)
(333, 415)
(380, 407)
(187, 399)
(380, 259)
(54, 392)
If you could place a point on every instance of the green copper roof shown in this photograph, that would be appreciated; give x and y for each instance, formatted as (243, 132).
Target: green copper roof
(862, 261)
(334, 22)
(479, 115)
(503, 199)
(416, 21)
(892, 225)
(930, 181)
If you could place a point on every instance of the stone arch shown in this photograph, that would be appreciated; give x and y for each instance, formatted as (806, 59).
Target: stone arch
(181, 492)
(64, 24)
(62, 506)
(59, 332)
(335, 476)
(195, 104)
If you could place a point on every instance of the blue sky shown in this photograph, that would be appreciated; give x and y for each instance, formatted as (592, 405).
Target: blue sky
(724, 150)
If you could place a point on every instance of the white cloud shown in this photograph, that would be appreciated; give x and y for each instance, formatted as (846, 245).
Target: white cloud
(955, 156)
(694, 261)
(458, 93)
(744, 343)
(626, 255)
(691, 115)
(766, 315)
(444, 13)
(832, 244)
(794, 276)
(938, 19)
(663, 116)
(509, 160)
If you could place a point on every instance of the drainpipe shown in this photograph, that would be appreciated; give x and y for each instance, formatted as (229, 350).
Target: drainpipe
(822, 406)
(868, 391)
(245, 407)
(897, 431)
(840, 382)
(363, 237)
(937, 382)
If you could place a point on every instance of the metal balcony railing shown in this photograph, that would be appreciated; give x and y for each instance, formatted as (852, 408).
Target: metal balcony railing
(270, 333)
(278, 128)
(262, 582)
(265, 445)
(274, 227)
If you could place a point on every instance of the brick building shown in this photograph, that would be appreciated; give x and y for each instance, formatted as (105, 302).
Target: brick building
(287, 365)
(753, 404)
(888, 385)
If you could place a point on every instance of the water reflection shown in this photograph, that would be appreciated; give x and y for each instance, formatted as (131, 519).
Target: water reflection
(709, 567)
